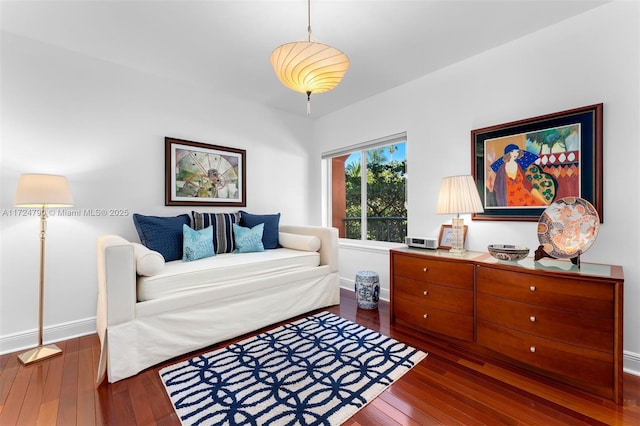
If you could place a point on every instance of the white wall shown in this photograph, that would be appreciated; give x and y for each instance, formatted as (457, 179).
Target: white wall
(103, 126)
(588, 59)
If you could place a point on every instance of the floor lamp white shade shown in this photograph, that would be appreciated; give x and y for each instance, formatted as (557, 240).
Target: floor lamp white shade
(458, 194)
(42, 191)
(37, 190)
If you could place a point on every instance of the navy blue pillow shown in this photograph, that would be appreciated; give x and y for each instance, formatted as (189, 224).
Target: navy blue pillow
(162, 234)
(271, 227)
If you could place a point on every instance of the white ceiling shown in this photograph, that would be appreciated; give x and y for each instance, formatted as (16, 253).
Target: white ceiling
(224, 46)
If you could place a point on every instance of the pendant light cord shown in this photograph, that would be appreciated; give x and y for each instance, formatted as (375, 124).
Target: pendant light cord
(309, 34)
(309, 19)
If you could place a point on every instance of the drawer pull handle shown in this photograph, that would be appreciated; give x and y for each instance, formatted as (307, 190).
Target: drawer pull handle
(426, 292)
(532, 287)
(532, 349)
(425, 269)
(532, 318)
(426, 316)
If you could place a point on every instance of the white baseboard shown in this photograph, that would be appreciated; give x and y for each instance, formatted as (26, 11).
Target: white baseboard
(631, 362)
(27, 340)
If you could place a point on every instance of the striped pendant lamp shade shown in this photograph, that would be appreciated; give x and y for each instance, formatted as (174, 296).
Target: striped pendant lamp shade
(309, 67)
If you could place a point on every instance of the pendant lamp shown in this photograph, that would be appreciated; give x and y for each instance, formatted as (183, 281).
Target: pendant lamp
(308, 66)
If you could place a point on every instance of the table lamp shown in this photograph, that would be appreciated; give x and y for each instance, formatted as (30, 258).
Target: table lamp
(458, 194)
(42, 191)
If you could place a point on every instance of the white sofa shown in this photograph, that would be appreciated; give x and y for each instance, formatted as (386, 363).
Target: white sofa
(136, 334)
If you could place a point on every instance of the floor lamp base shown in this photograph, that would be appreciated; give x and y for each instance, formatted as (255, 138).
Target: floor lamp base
(39, 353)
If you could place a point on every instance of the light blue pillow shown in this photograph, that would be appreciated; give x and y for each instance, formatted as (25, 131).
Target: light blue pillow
(197, 244)
(248, 239)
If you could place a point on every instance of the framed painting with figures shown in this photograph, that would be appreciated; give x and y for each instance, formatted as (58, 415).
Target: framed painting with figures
(521, 167)
(199, 174)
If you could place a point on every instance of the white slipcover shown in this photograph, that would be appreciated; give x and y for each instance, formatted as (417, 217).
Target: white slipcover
(137, 335)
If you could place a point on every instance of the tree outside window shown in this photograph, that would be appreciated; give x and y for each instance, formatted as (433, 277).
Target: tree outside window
(370, 206)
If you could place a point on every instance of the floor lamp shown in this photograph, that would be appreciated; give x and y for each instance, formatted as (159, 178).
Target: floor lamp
(458, 194)
(42, 191)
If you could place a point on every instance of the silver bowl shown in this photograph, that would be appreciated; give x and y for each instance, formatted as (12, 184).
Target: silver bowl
(508, 252)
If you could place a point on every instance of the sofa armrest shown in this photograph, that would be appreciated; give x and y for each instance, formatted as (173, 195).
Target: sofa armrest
(116, 282)
(328, 238)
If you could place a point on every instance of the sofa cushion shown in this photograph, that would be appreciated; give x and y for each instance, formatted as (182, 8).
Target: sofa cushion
(248, 240)
(271, 227)
(162, 234)
(197, 244)
(222, 228)
(299, 242)
(239, 273)
(148, 262)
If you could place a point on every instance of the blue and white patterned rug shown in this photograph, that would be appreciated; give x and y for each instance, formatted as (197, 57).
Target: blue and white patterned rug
(316, 371)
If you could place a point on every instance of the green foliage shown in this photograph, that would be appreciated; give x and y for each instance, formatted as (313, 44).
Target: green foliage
(386, 209)
(543, 182)
(551, 137)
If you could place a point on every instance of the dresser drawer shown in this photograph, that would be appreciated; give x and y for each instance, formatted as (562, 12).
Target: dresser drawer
(424, 293)
(586, 331)
(578, 296)
(580, 364)
(433, 319)
(435, 271)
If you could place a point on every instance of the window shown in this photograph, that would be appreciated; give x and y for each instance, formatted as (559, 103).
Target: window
(370, 205)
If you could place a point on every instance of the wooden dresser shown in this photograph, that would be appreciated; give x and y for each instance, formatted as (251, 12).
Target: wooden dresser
(549, 316)
(434, 294)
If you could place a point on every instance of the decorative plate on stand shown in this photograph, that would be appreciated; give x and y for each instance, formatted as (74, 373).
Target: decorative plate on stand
(568, 228)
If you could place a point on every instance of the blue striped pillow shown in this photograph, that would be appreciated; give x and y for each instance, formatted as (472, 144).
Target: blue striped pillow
(222, 224)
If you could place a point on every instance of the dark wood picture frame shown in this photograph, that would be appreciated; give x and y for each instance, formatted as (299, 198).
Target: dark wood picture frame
(200, 174)
(569, 162)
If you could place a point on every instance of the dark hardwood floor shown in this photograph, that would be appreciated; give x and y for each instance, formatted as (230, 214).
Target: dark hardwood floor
(450, 387)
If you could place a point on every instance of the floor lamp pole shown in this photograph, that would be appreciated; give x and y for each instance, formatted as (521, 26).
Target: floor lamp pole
(41, 352)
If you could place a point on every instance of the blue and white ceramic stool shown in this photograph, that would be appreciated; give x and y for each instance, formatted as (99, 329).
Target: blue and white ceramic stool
(367, 289)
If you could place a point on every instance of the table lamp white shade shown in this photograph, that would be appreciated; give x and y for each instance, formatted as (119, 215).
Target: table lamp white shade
(37, 190)
(458, 194)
